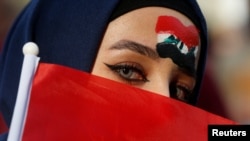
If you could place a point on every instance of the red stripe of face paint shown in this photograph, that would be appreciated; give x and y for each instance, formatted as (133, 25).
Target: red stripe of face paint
(187, 34)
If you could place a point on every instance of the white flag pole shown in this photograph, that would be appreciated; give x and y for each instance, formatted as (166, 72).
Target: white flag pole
(30, 51)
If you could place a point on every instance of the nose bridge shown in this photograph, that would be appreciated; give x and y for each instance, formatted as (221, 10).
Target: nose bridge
(163, 89)
(159, 86)
(161, 77)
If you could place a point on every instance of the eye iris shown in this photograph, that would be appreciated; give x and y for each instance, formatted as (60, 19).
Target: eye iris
(179, 92)
(126, 72)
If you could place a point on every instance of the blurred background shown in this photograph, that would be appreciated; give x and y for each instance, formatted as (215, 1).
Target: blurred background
(226, 87)
(9, 9)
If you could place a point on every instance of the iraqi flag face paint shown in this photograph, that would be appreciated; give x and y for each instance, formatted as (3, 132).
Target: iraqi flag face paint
(177, 41)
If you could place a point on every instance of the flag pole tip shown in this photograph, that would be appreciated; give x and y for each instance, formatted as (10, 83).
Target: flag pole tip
(30, 48)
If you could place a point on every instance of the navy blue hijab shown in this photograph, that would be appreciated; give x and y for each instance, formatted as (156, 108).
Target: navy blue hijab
(69, 33)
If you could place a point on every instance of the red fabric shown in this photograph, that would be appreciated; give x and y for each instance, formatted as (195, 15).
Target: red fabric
(68, 104)
(3, 126)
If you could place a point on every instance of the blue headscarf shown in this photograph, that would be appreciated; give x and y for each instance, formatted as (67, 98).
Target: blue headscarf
(69, 33)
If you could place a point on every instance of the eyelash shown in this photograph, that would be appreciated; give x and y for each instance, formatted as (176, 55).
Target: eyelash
(128, 67)
(177, 90)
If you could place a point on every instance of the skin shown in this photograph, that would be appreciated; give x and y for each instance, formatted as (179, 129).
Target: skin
(149, 71)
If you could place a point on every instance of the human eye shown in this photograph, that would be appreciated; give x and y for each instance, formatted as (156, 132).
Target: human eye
(180, 92)
(131, 72)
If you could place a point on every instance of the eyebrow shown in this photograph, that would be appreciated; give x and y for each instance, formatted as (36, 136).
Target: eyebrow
(136, 47)
(146, 51)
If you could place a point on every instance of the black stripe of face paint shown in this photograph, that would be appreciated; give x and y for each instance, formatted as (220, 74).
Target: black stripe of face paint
(184, 61)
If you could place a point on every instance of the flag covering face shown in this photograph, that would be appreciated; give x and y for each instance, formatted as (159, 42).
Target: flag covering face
(67, 104)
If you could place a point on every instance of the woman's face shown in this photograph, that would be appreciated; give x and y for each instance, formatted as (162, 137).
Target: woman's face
(128, 52)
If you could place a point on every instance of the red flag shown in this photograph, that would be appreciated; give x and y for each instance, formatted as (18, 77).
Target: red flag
(68, 104)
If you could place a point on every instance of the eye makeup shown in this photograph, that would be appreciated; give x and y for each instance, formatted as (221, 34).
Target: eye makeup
(131, 72)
